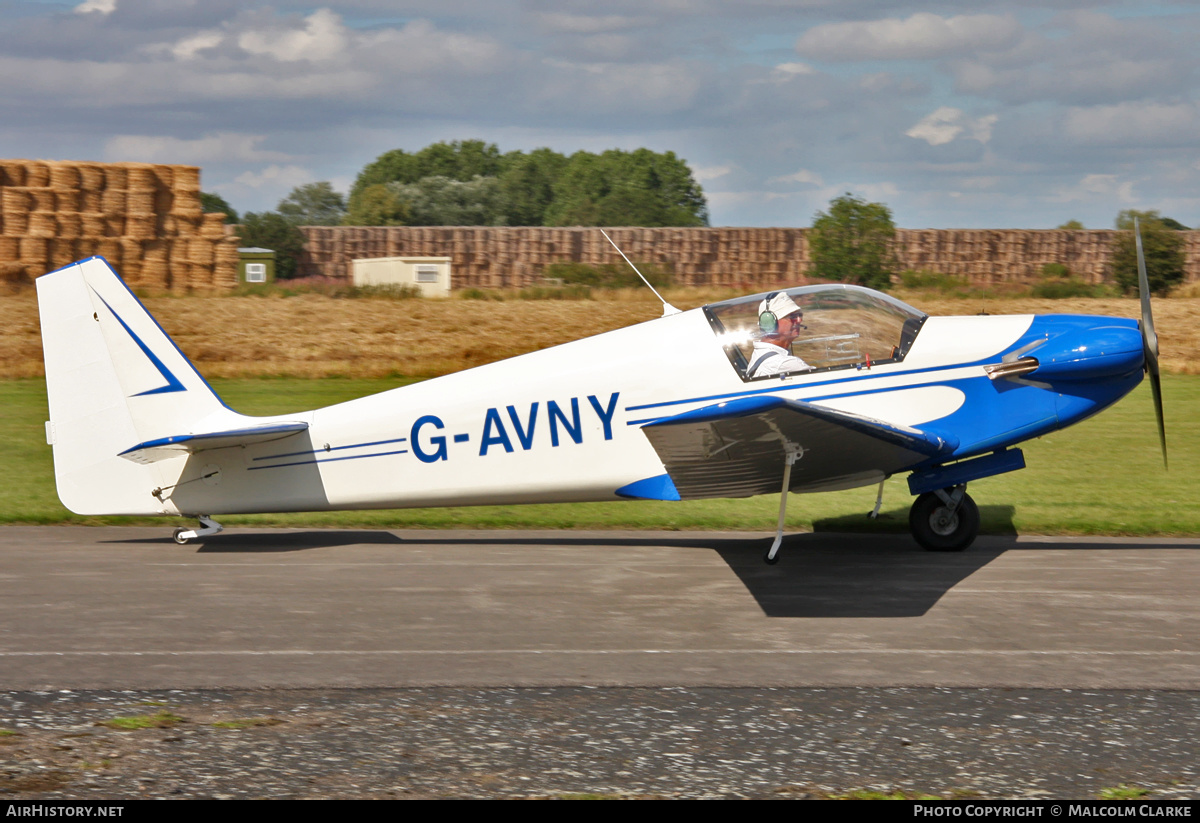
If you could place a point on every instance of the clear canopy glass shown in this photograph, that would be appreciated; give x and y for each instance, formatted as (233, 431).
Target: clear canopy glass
(843, 327)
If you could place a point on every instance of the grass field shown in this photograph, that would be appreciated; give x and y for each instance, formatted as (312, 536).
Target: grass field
(1103, 476)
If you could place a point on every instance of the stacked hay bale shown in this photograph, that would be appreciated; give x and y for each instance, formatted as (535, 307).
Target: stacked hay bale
(745, 259)
(509, 257)
(145, 219)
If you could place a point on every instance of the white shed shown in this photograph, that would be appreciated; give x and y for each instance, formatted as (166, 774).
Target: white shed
(429, 274)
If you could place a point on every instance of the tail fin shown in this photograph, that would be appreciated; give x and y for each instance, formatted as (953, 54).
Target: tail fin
(114, 380)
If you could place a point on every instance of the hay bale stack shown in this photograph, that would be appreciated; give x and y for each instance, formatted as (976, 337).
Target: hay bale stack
(212, 226)
(93, 224)
(11, 272)
(110, 249)
(116, 176)
(114, 201)
(69, 224)
(130, 213)
(12, 173)
(132, 257)
(37, 175)
(42, 224)
(10, 249)
(746, 259)
(156, 271)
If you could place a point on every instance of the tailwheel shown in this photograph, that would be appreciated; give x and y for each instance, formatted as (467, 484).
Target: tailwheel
(946, 520)
(208, 527)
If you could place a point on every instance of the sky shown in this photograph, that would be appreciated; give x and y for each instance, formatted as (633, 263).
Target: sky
(1004, 114)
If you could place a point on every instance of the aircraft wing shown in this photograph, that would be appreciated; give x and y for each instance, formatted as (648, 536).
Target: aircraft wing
(163, 448)
(737, 448)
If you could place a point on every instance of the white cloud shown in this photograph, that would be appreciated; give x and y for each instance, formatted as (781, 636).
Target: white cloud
(710, 172)
(587, 24)
(793, 69)
(802, 176)
(922, 36)
(323, 37)
(275, 177)
(222, 147)
(946, 123)
(1092, 187)
(102, 6)
(189, 47)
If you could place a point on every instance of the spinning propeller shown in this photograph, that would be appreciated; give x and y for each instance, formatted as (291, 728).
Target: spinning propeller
(1150, 339)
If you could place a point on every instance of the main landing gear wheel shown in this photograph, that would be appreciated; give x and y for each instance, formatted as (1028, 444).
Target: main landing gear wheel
(940, 525)
(179, 538)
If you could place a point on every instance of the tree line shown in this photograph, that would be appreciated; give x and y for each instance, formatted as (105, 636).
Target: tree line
(853, 242)
(472, 183)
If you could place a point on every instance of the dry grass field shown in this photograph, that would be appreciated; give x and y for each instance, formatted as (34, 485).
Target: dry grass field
(317, 336)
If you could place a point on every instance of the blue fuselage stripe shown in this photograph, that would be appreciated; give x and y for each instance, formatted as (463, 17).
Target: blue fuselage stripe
(326, 460)
(333, 449)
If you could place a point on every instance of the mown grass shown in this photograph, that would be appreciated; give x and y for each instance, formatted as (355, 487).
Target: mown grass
(1104, 476)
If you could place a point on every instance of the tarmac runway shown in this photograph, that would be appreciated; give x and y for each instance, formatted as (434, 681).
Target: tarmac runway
(126, 608)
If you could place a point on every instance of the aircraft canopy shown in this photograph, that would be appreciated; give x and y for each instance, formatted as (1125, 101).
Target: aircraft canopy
(846, 327)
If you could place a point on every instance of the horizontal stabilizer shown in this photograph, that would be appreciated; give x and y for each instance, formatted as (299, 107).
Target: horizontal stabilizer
(738, 448)
(163, 448)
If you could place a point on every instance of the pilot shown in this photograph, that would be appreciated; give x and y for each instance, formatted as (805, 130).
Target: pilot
(780, 321)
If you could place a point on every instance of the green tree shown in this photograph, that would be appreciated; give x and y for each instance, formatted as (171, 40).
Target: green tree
(271, 230)
(461, 160)
(1073, 225)
(377, 205)
(440, 201)
(638, 188)
(527, 185)
(215, 204)
(620, 188)
(851, 243)
(1162, 246)
(313, 204)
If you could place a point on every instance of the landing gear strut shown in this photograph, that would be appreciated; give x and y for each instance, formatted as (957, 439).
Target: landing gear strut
(946, 520)
(208, 527)
(791, 453)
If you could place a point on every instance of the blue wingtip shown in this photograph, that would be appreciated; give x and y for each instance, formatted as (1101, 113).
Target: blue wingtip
(652, 488)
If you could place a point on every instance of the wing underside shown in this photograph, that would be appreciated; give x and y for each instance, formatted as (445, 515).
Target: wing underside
(738, 448)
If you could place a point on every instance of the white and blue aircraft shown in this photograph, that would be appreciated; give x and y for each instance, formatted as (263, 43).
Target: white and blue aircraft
(669, 409)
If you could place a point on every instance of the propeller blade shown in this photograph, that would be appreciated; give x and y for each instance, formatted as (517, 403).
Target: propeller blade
(1150, 339)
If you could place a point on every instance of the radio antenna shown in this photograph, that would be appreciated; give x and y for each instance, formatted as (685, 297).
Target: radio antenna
(667, 307)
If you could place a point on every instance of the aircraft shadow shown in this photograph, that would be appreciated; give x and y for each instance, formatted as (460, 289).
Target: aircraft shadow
(852, 575)
(269, 541)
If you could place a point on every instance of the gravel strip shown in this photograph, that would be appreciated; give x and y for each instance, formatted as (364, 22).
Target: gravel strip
(615, 742)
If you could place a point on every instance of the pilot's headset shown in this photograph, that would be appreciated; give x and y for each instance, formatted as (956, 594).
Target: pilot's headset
(777, 304)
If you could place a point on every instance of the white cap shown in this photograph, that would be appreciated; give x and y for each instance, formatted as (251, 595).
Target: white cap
(781, 305)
